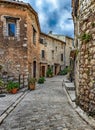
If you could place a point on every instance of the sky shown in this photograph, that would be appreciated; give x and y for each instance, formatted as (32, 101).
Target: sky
(54, 16)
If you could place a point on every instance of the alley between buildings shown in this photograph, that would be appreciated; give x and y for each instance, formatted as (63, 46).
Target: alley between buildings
(46, 108)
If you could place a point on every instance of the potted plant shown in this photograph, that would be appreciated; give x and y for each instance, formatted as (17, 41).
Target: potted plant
(49, 72)
(32, 82)
(41, 80)
(1, 85)
(12, 87)
(1, 82)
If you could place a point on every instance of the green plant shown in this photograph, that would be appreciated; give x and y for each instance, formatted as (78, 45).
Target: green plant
(49, 72)
(11, 85)
(41, 80)
(93, 24)
(86, 37)
(65, 71)
(1, 67)
(1, 82)
(77, 51)
(32, 80)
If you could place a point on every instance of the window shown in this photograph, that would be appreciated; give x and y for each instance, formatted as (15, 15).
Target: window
(41, 40)
(11, 26)
(34, 36)
(11, 29)
(56, 48)
(52, 54)
(62, 46)
(61, 57)
(43, 54)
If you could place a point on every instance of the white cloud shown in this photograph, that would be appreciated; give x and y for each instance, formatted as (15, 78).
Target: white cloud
(50, 11)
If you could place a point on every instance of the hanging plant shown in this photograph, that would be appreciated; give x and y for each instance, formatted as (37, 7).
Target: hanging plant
(86, 37)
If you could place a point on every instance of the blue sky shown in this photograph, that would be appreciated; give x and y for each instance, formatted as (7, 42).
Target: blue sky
(53, 15)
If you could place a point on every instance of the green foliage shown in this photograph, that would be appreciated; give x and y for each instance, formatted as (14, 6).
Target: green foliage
(91, 113)
(86, 37)
(65, 71)
(11, 85)
(1, 82)
(49, 72)
(32, 80)
(1, 67)
(77, 51)
(93, 24)
(41, 80)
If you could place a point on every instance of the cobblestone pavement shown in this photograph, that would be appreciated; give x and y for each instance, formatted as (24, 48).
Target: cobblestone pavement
(46, 108)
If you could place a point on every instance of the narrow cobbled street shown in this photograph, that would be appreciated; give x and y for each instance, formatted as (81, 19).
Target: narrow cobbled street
(46, 108)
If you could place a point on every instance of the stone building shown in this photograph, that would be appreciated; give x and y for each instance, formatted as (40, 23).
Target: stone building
(19, 40)
(51, 54)
(84, 22)
(68, 46)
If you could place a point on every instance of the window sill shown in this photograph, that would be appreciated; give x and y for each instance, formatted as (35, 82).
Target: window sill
(11, 37)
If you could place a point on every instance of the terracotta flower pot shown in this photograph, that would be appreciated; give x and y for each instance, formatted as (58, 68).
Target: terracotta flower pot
(14, 91)
(32, 86)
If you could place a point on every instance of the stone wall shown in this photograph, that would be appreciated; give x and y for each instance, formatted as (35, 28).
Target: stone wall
(67, 48)
(87, 56)
(57, 46)
(86, 41)
(17, 53)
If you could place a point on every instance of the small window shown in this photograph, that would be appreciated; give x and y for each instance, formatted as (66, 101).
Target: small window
(52, 54)
(11, 26)
(11, 29)
(41, 40)
(43, 54)
(62, 46)
(61, 57)
(56, 48)
(34, 36)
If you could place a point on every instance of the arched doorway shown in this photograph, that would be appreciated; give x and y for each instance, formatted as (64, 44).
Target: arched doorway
(34, 69)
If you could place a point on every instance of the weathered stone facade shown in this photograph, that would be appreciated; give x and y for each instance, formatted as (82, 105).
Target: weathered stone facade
(19, 56)
(67, 48)
(84, 19)
(54, 53)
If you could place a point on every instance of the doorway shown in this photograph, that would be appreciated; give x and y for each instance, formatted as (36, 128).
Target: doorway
(43, 71)
(34, 69)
